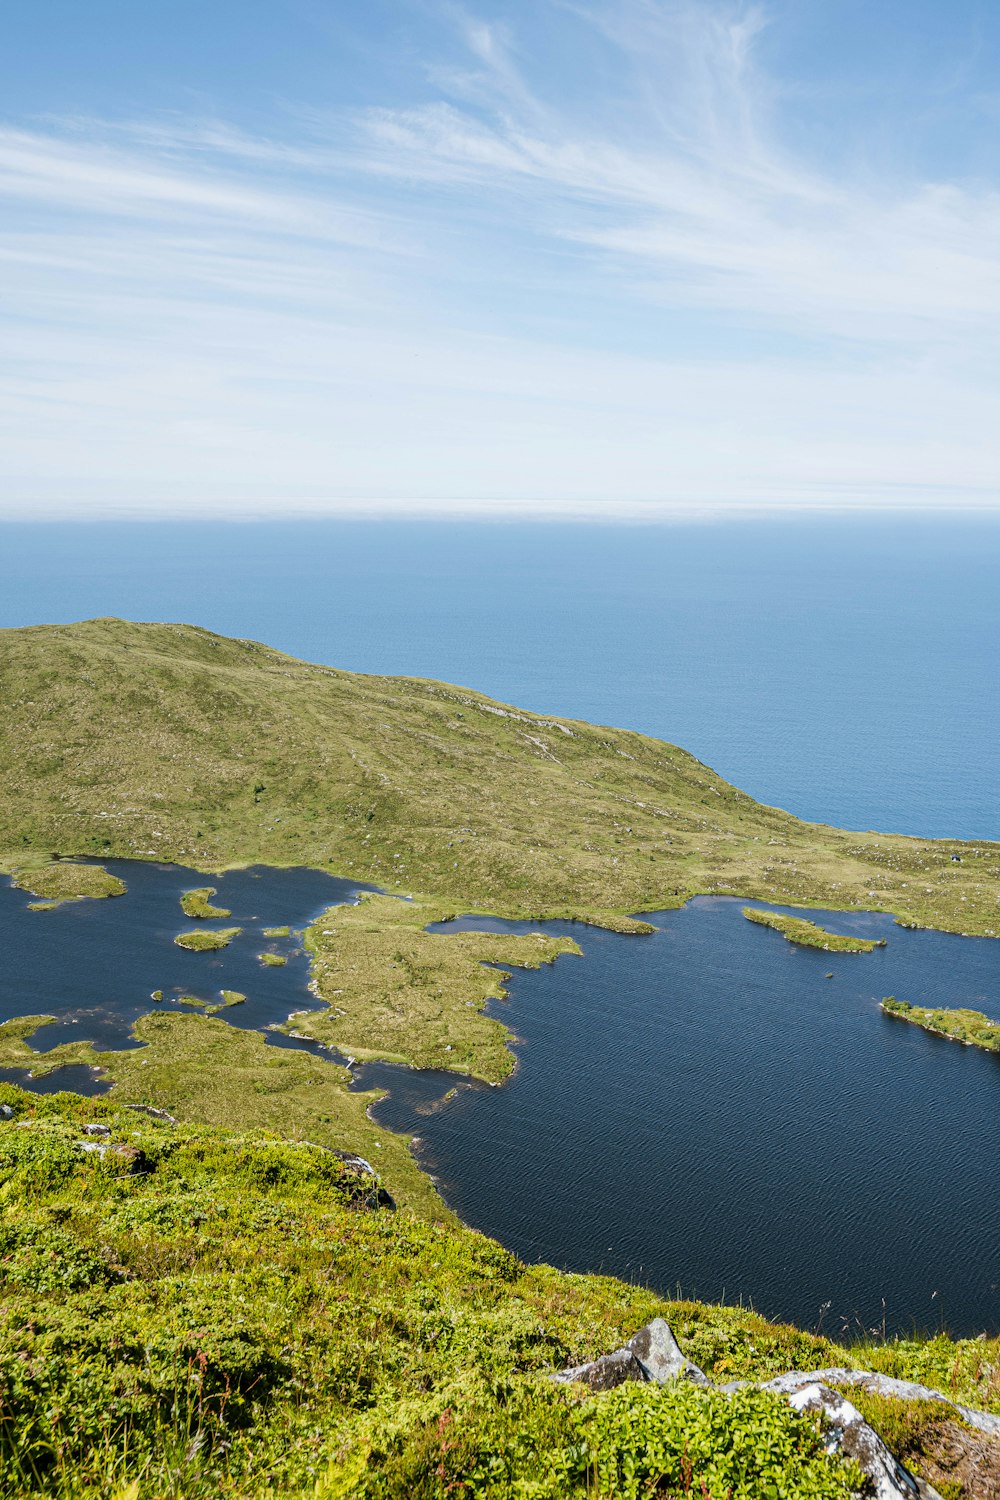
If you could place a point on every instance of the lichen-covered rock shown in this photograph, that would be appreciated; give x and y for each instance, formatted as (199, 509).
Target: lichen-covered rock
(659, 1354)
(882, 1385)
(848, 1433)
(605, 1373)
(652, 1354)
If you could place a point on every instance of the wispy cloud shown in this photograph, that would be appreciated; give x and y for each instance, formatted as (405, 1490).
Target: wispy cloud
(626, 289)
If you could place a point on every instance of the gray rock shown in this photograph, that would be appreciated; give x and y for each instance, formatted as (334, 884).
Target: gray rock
(96, 1130)
(881, 1385)
(605, 1373)
(659, 1354)
(848, 1433)
(154, 1114)
(651, 1354)
(6, 1113)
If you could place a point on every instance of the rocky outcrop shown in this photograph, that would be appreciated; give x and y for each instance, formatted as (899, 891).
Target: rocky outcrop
(881, 1385)
(651, 1354)
(968, 1458)
(847, 1432)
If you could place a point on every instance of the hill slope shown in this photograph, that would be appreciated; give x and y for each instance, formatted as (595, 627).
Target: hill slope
(169, 741)
(193, 1313)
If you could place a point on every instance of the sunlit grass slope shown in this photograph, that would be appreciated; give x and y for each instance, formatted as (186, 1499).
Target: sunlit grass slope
(169, 741)
(196, 1313)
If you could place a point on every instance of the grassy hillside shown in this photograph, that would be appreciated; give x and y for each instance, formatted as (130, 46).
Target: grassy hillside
(189, 1312)
(168, 741)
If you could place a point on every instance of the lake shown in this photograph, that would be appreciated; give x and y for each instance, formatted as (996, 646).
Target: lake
(699, 1109)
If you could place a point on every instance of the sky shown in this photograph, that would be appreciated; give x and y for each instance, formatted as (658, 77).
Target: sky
(588, 258)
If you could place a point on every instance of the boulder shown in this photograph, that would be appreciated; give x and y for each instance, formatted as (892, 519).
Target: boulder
(659, 1354)
(605, 1373)
(848, 1433)
(651, 1354)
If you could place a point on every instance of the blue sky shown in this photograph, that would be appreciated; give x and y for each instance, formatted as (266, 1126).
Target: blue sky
(572, 257)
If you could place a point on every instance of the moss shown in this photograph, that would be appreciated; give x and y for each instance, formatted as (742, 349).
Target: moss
(810, 934)
(197, 904)
(202, 941)
(971, 1027)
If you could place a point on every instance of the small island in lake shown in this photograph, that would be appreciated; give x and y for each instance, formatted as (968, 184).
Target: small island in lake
(970, 1027)
(197, 904)
(201, 941)
(809, 934)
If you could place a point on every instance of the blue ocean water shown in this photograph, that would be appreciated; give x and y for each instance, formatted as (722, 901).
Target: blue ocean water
(847, 669)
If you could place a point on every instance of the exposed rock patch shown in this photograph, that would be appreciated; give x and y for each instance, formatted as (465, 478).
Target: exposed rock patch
(848, 1433)
(960, 1455)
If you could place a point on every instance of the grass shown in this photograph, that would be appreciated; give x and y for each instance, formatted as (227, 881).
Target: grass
(809, 934)
(395, 991)
(208, 1007)
(197, 903)
(204, 1071)
(59, 880)
(968, 1026)
(169, 742)
(201, 941)
(210, 1314)
(273, 960)
(277, 932)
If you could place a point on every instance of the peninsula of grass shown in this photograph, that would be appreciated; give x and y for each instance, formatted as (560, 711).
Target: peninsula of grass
(169, 742)
(197, 904)
(204, 1071)
(809, 934)
(200, 1311)
(202, 940)
(970, 1027)
(397, 992)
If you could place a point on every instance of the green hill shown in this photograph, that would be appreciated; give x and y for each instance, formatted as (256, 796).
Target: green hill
(167, 741)
(193, 1313)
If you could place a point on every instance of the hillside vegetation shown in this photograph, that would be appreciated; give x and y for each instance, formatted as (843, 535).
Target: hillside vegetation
(192, 1313)
(168, 741)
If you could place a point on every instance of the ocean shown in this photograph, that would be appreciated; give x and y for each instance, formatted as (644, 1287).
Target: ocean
(846, 669)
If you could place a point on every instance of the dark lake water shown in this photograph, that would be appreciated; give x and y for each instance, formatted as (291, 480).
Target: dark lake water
(699, 1109)
(703, 1109)
(95, 964)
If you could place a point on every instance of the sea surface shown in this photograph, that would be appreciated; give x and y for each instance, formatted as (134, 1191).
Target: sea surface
(708, 1109)
(847, 669)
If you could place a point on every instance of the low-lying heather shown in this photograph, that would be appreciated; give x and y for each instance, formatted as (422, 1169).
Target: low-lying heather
(191, 1312)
